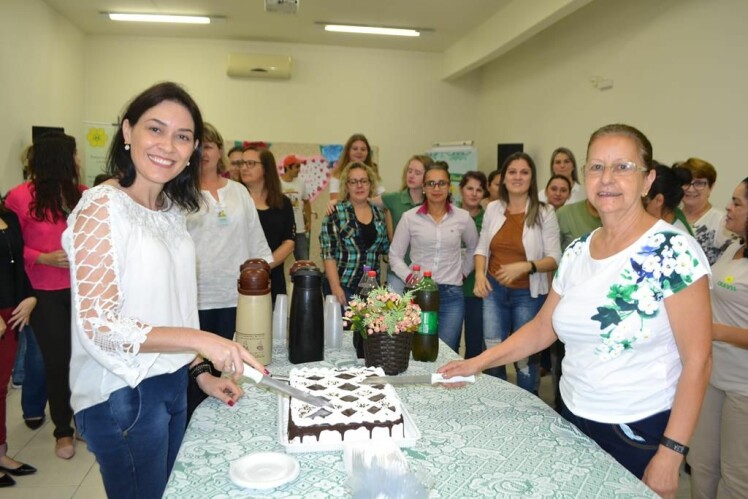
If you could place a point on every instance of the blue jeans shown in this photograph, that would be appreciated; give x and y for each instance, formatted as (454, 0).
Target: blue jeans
(451, 314)
(474, 344)
(136, 433)
(505, 310)
(18, 365)
(301, 248)
(34, 392)
(631, 444)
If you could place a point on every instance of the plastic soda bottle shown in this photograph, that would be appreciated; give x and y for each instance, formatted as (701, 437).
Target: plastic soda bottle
(426, 340)
(414, 279)
(365, 286)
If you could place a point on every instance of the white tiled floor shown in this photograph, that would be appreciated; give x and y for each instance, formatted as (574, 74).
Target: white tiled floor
(79, 477)
(57, 478)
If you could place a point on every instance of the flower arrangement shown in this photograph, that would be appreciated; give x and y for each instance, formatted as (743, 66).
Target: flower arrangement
(383, 311)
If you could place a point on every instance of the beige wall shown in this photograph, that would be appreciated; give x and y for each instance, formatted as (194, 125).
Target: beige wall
(41, 79)
(394, 98)
(680, 72)
(679, 69)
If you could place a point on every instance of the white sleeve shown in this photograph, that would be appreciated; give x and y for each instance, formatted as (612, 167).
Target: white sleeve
(110, 338)
(551, 234)
(470, 238)
(334, 185)
(484, 239)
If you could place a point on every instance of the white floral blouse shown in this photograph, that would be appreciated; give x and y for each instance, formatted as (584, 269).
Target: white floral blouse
(622, 363)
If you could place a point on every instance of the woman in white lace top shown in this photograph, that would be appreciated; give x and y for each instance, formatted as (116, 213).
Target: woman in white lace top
(135, 326)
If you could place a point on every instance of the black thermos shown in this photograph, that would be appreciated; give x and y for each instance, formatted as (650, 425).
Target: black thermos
(306, 338)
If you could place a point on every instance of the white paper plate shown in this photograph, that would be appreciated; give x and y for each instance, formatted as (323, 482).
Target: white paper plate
(264, 470)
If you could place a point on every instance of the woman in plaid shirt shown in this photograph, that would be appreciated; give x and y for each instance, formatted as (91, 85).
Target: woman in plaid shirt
(355, 233)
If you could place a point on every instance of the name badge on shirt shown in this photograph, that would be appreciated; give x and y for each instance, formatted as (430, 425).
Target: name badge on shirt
(223, 218)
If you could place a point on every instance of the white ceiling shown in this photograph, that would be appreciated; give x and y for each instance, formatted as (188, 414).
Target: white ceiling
(450, 20)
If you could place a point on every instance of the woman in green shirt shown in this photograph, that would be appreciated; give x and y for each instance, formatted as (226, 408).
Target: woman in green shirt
(397, 203)
(473, 189)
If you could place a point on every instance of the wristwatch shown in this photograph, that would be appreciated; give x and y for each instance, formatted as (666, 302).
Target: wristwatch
(673, 445)
(533, 268)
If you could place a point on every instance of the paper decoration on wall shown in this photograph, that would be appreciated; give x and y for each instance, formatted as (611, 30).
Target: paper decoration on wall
(98, 139)
(316, 173)
(331, 152)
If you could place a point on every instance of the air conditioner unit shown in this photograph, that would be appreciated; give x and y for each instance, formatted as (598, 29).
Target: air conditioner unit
(259, 66)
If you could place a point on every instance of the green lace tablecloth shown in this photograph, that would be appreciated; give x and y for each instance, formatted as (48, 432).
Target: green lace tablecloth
(490, 439)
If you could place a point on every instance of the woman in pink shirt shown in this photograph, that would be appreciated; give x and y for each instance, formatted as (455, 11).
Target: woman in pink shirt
(42, 205)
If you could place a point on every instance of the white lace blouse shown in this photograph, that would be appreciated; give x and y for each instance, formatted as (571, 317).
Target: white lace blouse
(131, 269)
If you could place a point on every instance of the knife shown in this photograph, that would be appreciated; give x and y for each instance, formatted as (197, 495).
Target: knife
(280, 387)
(427, 379)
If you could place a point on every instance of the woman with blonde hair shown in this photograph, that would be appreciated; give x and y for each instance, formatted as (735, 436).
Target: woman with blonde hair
(564, 163)
(409, 196)
(352, 236)
(227, 232)
(356, 149)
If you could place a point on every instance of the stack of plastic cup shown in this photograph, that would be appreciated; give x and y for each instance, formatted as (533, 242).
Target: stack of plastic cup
(333, 323)
(280, 321)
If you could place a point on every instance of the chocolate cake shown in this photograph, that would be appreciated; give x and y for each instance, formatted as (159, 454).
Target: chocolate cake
(359, 412)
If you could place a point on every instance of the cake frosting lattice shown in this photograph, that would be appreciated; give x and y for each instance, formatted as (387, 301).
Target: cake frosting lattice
(354, 406)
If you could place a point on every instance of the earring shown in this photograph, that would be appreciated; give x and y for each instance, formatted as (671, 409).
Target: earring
(188, 163)
(127, 147)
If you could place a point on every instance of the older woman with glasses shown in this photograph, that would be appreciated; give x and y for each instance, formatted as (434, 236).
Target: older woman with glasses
(707, 222)
(435, 233)
(631, 303)
(226, 231)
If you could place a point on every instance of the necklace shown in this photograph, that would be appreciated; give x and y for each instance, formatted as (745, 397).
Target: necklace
(7, 241)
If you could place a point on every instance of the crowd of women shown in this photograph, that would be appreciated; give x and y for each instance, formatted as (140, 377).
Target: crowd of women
(130, 286)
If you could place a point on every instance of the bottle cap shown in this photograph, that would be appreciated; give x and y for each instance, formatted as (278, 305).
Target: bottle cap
(426, 273)
(372, 273)
(416, 267)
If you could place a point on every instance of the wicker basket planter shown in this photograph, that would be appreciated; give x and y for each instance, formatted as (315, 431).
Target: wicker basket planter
(390, 352)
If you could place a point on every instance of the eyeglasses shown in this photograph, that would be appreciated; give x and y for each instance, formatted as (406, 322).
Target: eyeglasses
(250, 163)
(358, 181)
(237, 163)
(699, 185)
(618, 168)
(433, 184)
